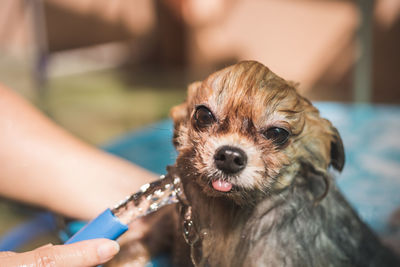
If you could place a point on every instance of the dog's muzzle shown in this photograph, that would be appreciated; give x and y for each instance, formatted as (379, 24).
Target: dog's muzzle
(230, 160)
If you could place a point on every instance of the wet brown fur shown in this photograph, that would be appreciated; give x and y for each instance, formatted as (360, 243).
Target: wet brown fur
(286, 209)
(289, 212)
(246, 99)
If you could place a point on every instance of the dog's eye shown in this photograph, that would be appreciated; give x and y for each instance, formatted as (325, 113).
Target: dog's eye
(278, 135)
(203, 116)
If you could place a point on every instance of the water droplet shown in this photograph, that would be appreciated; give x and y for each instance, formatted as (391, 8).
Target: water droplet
(177, 180)
(144, 187)
(154, 206)
(158, 192)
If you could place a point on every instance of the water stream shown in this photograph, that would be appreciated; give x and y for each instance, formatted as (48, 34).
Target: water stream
(156, 195)
(150, 198)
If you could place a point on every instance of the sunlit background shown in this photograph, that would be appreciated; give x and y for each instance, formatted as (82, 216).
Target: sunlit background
(102, 68)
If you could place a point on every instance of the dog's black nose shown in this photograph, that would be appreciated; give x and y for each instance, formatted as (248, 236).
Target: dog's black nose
(230, 159)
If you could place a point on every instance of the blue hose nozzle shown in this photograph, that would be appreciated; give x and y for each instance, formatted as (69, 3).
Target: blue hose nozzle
(106, 225)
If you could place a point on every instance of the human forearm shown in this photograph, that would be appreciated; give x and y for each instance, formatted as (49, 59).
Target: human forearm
(44, 165)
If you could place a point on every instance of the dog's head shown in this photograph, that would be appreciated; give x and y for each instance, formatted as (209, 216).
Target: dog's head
(245, 131)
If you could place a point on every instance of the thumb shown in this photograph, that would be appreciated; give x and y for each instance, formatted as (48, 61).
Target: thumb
(81, 254)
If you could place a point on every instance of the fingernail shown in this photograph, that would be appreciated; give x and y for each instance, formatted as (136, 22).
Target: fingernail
(107, 250)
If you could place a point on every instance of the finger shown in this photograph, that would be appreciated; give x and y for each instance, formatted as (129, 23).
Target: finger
(81, 254)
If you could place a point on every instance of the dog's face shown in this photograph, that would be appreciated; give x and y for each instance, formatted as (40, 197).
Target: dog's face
(244, 131)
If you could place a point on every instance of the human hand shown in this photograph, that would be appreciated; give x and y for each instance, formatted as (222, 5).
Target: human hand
(80, 254)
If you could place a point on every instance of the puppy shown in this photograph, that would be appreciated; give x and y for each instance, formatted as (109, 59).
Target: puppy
(253, 156)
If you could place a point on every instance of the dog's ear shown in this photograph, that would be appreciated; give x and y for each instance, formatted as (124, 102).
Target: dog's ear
(180, 112)
(337, 151)
(192, 89)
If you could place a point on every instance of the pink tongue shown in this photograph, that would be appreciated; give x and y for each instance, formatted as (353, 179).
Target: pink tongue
(222, 186)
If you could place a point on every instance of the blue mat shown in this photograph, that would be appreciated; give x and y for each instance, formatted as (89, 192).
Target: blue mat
(151, 147)
(371, 177)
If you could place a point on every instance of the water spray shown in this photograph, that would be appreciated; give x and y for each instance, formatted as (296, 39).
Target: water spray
(112, 223)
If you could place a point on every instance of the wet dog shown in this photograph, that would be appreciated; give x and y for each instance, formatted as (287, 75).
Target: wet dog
(255, 157)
